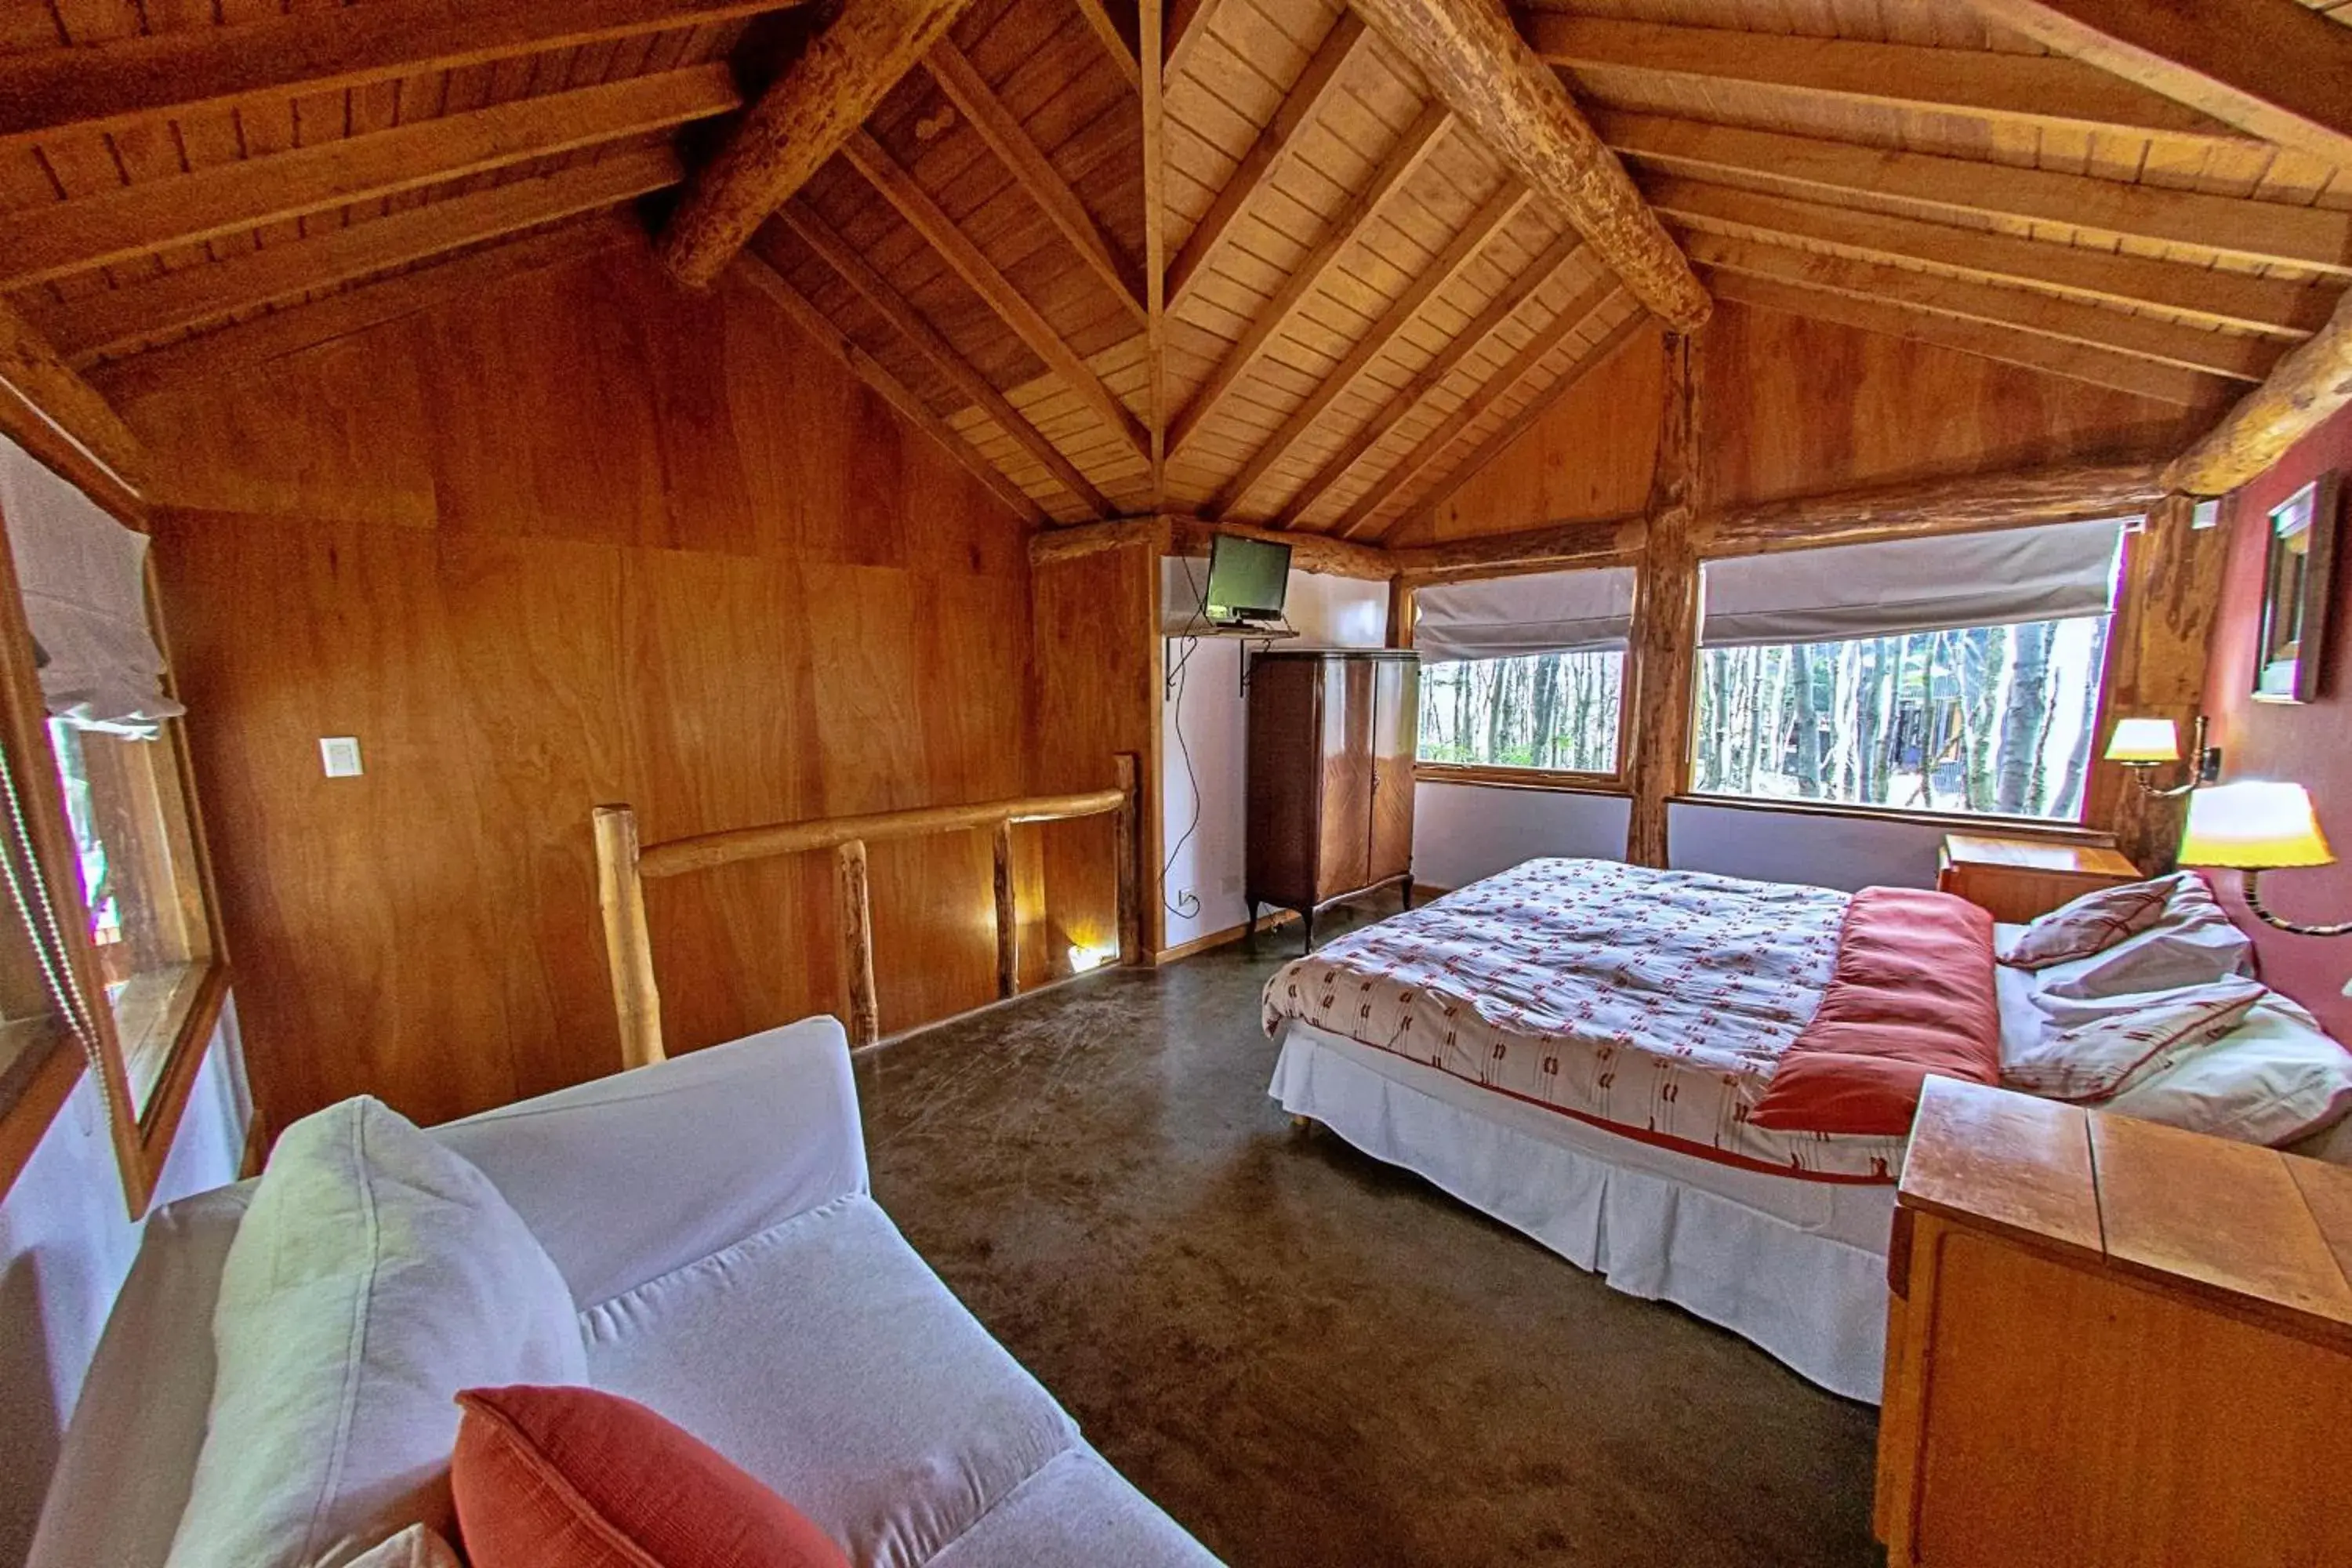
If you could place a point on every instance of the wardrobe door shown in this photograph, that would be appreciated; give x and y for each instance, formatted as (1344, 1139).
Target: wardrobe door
(1347, 742)
(1395, 734)
(1284, 741)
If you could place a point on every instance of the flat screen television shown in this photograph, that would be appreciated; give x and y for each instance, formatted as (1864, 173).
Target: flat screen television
(1247, 580)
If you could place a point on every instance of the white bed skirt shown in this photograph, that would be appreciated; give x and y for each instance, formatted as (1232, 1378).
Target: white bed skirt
(1797, 1268)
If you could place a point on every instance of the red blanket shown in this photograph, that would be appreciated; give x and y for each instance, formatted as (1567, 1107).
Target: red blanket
(1912, 995)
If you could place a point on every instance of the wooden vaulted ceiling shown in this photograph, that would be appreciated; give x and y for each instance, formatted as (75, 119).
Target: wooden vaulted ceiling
(1364, 288)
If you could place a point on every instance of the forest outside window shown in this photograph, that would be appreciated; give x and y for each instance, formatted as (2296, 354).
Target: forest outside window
(1955, 674)
(1524, 674)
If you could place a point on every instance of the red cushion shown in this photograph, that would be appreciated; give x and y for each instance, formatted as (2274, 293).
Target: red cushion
(576, 1478)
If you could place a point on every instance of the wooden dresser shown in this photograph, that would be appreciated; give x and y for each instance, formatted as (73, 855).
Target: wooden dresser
(1331, 739)
(2113, 1344)
(2021, 879)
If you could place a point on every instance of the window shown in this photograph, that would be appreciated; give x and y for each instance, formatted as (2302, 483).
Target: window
(1995, 720)
(1957, 673)
(1525, 672)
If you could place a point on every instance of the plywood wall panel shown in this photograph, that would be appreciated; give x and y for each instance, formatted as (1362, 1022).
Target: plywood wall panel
(587, 539)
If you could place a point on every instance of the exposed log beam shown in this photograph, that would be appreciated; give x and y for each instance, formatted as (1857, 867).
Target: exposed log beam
(1487, 74)
(1511, 429)
(1300, 108)
(2029, 351)
(119, 320)
(1116, 43)
(1404, 159)
(2273, 306)
(2256, 231)
(1308, 551)
(2280, 71)
(58, 239)
(53, 396)
(1499, 385)
(1965, 503)
(1605, 542)
(1659, 686)
(799, 122)
(2307, 386)
(923, 214)
(912, 325)
(1501, 208)
(1085, 539)
(985, 113)
(226, 351)
(104, 85)
(1409, 396)
(896, 393)
(1152, 23)
(2231, 355)
(2003, 88)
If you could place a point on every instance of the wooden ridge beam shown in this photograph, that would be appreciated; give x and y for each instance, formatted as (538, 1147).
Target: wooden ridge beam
(1408, 397)
(1516, 369)
(100, 85)
(2008, 345)
(2241, 301)
(41, 243)
(1965, 503)
(2271, 233)
(924, 215)
(1120, 48)
(913, 325)
(115, 323)
(2001, 87)
(1152, 23)
(1511, 429)
(821, 331)
(242, 346)
(54, 398)
(2228, 355)
(1345, 227)
(1483, 70)
(2281, 72)
(985, 113)
(2307, 387)
(1300, 107)
(799, 122)
(1501, 208)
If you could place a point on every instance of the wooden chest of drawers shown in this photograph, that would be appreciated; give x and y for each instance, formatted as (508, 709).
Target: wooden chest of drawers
(2020, 878)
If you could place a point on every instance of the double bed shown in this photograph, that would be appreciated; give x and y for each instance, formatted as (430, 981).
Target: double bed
(1587, 1051)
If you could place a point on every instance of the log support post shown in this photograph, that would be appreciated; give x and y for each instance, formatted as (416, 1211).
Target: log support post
(854, 910)
(1008, 926)
(1125, 853)
(628, 941)
(1666, 621)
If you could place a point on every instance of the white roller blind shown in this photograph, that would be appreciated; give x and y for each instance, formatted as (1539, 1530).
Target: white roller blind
(1911, 585)
(1506, 618)
(85, 600)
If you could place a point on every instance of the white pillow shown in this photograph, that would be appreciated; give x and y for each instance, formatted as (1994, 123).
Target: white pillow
(2192, 943)
(374, 1275)
(415, 1547)
(2276, 1078)
(2091, 923)
(2106, 1053)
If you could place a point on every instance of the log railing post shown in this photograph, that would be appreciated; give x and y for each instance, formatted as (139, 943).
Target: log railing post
(1130, 911)
(628, 942)
(857, 913)
(1008, 929)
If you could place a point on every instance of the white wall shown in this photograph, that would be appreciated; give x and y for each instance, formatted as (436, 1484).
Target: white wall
(67, 1242)
(1208, 719)
(1464, 832)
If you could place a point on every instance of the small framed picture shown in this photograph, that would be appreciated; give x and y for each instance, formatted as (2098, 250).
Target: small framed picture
(2295, 583)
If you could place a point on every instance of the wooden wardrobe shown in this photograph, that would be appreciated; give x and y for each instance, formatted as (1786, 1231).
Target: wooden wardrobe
(1331, 735)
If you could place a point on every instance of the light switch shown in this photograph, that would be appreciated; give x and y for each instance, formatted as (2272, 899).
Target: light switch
(341, 754)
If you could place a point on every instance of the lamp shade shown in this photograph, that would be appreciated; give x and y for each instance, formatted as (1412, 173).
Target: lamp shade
(2144, 740)
(2254, 824)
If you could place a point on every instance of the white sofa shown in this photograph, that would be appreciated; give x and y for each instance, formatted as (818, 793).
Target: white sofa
(712, 1218)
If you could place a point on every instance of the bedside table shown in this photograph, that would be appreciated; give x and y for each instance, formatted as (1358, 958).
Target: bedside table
(2112, 1344)
(2018, 878)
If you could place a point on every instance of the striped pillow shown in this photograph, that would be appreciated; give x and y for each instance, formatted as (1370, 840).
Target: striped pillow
(2104, 1058)
(2092, 924)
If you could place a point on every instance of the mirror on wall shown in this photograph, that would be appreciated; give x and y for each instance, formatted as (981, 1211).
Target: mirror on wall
(2296, 592)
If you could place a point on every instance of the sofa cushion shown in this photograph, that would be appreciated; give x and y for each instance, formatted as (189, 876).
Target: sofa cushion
(577, 1477)
(825, 1359)
(1076, 1513)
(374, 1275)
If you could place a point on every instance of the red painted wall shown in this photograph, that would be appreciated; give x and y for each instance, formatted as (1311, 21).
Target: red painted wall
(2311, 744)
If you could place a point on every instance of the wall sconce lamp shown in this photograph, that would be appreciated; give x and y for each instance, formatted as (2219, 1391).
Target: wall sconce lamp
(2143, 745)
(2257, 825)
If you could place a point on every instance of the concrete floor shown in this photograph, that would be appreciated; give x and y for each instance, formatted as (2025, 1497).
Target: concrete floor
(1308, 1357)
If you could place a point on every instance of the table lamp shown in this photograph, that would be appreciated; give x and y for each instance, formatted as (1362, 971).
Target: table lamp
(2143, 745)
(2257, 825)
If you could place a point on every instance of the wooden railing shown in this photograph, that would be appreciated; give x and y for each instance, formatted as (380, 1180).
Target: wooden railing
(623, 865)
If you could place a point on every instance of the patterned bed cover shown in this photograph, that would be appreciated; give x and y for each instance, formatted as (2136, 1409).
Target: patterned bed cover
(1653, 1003)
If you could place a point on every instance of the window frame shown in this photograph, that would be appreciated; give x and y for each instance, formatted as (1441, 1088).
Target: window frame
(1566, 781)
